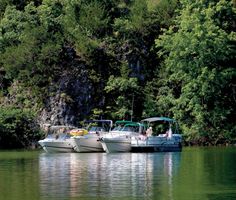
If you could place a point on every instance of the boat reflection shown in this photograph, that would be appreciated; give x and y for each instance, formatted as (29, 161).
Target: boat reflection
(101, 175)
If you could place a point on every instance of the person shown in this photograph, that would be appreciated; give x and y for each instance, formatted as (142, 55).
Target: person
(149, 131)
(169, 134)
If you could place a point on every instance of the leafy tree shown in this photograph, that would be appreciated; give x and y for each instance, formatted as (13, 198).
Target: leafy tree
(19, 4)
(84, 23)
(18, 128)
(122, 90)
(199, 56)
(32, 42)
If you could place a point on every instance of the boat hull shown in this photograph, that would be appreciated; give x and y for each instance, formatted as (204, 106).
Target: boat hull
(111, 145)
(156, 148)
(86, 144)
(156, 144)
(51, 146)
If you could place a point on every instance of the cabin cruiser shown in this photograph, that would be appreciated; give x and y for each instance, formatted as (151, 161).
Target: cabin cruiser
(89, 142)
(153, 141)
(119, 139)
(58, 139)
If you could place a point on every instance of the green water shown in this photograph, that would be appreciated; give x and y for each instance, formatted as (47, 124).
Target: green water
(195, 173)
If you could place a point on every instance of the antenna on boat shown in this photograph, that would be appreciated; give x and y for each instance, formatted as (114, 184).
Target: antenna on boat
(132, 108)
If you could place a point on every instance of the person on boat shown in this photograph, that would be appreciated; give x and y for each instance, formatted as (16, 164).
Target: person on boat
(149, 131)
(169, 133)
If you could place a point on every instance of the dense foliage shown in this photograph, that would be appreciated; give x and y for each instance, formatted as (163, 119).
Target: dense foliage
(17, 129)
(199, 63)
(142, 57)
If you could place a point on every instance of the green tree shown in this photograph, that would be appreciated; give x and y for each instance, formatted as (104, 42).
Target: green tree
(122, 91)
(18, 128)
(19, 4)
(198, 72)
(84, 23)
(32, 43)
(133, 42)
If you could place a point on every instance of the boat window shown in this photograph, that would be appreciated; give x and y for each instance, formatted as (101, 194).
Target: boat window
(117, 128)
(50, 136)
(93, 129)
(63, 136)
(127, 129)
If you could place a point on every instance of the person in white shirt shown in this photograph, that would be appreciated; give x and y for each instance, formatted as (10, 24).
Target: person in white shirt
(149, 132)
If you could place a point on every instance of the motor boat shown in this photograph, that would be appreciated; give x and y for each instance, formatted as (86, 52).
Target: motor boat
(153, 141)
(58, 139)
(119, 139)
(90, 142)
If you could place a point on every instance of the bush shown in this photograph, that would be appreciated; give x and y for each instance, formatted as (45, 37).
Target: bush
(18, 128)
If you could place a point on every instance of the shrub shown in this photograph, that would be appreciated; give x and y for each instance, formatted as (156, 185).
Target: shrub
(18, 128)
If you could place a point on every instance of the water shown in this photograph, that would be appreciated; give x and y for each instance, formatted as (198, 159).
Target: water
(194, 173)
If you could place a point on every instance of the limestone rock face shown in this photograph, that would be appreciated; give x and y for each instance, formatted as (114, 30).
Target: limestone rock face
(69, 101)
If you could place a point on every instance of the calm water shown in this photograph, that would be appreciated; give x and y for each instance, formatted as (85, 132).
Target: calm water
(195, 173)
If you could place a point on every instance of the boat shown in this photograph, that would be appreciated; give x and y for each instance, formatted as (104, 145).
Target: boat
(119, 139)
(58, 139)
(158, 142)
(90, 142)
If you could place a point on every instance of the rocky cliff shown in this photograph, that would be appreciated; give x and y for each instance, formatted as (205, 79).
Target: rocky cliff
(70, 99)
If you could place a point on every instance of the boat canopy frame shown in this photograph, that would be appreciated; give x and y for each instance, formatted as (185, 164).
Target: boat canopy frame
(166, 119)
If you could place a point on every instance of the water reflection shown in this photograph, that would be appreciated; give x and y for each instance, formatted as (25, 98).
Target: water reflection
(101, 175)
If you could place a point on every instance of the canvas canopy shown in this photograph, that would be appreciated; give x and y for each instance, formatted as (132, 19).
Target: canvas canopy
(153, 119)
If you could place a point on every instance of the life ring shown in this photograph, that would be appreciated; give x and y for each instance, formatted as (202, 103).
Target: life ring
(78, 132)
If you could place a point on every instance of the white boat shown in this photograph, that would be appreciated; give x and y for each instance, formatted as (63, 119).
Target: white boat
(119, 139)
(170, 141)
(116, 144)
(90, 142)
(57, 140)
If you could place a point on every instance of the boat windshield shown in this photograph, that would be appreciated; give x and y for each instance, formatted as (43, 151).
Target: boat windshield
(127, 129)
(119, 125)
(59, 132)
(64, 136)
(132, 127)
(117, 128)
(60, 136)
(96, 128)
(98, 125)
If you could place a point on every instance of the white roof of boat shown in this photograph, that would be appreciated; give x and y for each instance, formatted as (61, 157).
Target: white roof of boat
(153, 119)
